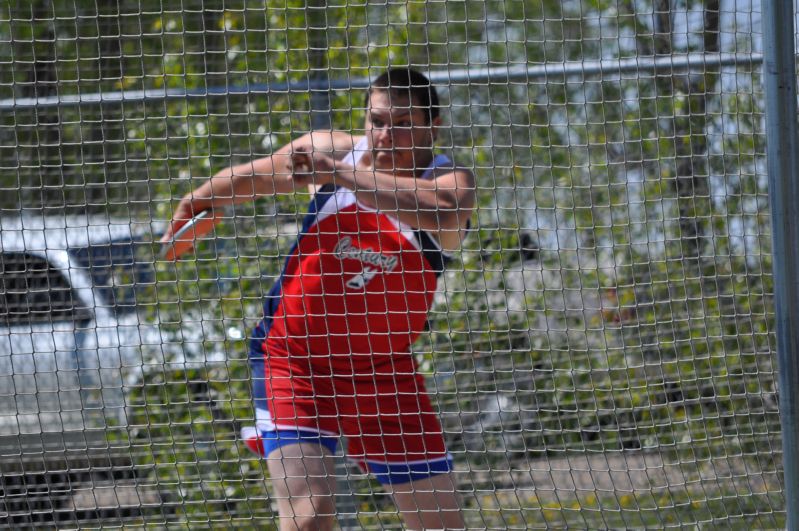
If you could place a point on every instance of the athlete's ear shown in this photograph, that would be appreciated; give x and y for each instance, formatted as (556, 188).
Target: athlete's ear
(434, 127)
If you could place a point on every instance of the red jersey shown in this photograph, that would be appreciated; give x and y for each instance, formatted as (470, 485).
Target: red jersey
(355, 290)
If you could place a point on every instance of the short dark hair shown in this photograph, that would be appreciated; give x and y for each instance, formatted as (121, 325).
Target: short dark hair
(408, 83)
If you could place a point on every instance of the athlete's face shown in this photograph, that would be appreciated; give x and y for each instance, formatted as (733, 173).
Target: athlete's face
(399, 134)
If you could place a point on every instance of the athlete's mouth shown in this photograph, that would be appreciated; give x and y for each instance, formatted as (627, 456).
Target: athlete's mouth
(384, 153)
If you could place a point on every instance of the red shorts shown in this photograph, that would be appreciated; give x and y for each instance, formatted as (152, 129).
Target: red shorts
(386, 416)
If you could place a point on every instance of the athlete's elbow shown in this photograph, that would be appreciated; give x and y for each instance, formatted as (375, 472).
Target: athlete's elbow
(445, 204)
(450, 211)
(452, 202)
(443, 219)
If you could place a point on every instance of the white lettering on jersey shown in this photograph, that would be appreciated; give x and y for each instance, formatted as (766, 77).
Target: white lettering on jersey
(372, 261)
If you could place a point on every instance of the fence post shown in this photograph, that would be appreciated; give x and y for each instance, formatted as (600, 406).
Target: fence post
(779, 78)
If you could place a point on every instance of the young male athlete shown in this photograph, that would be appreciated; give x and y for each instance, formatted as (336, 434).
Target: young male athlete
(332, 355)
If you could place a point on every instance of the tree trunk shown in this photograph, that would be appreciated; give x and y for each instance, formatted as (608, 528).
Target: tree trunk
(693, 169)
(688, 130)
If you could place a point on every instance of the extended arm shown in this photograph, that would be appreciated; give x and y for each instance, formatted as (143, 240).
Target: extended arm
(265, 176)
(274, 174)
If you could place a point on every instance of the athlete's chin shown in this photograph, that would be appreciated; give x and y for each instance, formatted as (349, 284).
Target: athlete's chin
(388, 161)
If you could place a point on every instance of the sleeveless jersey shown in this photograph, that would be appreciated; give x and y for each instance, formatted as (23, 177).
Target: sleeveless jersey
(355, 289)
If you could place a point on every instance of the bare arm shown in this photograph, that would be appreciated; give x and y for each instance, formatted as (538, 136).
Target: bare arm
(265, 176)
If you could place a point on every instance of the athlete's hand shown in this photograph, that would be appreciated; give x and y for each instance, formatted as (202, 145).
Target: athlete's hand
(188, 208)
(319, 167)
(301, 163)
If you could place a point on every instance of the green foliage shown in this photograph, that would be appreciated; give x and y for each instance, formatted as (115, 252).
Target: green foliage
(183, 429)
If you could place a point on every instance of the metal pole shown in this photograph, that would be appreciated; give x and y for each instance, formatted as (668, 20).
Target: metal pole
(693, 62)
(779, 78)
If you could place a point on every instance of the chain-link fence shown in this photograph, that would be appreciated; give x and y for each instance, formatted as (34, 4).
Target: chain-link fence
(600, 351)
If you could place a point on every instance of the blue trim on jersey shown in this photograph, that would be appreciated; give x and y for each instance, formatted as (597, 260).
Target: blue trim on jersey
(273, 297)
(437, 259)
(258, 380)
(397, 473)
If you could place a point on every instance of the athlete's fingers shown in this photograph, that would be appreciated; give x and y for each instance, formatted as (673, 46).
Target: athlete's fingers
(181, 216)
(301, 161)
(188, 232)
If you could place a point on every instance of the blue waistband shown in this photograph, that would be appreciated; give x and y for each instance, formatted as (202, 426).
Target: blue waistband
(385, 473)
(397, 473)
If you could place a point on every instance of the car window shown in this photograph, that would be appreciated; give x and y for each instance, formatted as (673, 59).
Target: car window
(32, 291)
(120, 270)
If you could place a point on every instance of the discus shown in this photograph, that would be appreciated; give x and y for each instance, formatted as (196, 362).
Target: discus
(185, 237)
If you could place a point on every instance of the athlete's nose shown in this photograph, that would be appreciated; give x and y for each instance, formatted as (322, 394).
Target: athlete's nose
(382, 136)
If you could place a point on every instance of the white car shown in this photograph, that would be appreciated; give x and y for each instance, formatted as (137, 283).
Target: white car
(71, 338)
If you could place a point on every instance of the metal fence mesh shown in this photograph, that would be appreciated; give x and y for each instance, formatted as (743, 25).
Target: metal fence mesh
(600, 352)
